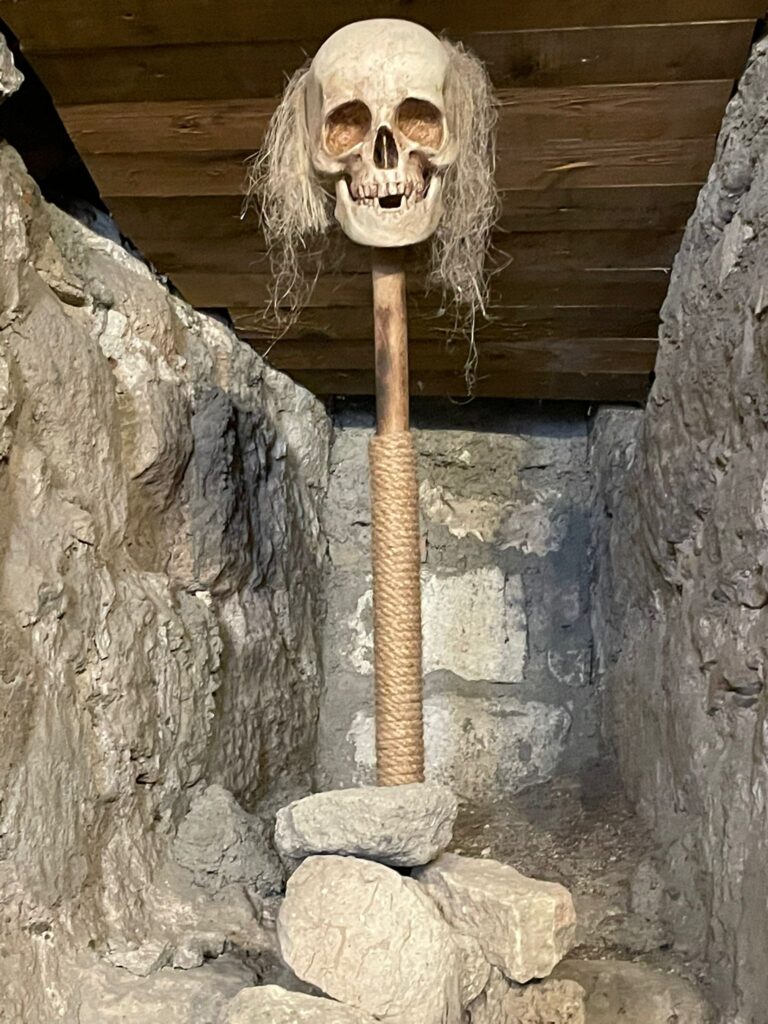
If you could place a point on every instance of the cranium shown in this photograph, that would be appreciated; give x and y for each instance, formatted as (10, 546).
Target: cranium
(379, 128)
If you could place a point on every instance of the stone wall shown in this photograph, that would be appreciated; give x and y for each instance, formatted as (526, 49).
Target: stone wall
(681, 598)
(161, 558)
(507, 649)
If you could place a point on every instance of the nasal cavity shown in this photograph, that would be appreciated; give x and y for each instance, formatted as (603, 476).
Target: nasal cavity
(385, 149)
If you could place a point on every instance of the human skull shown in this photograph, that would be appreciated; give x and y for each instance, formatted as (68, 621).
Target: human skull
(378, 126)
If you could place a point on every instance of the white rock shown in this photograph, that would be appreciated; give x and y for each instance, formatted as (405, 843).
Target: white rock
(400, 825)
(372, 939)
(272, 1005)
(524, 926)
(546, 1002)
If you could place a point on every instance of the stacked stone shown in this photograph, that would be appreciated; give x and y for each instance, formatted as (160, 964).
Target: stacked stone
(389, 927)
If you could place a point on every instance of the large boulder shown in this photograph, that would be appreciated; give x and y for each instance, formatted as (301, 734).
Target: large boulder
(372, 939)
(403, 826)
(524, 926)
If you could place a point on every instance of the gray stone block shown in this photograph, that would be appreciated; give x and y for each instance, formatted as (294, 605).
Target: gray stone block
(404, 826)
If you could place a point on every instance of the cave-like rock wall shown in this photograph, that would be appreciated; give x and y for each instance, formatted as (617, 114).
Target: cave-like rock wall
(680, 614)
(160, 558)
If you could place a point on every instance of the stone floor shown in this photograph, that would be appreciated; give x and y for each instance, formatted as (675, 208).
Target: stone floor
(580, 831)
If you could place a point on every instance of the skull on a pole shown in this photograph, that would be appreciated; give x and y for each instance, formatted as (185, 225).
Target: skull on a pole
(389, 131)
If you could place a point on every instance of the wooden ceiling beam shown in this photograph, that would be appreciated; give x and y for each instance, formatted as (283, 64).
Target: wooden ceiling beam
(47, 25)
(639, 111)
(605, 387)
(560, 355)
(563, 163)
(322, 327)
(638, 289)
(554, 58)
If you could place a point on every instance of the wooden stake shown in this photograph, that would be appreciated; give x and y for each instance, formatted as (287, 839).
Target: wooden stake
(395, 539)
(390, 320)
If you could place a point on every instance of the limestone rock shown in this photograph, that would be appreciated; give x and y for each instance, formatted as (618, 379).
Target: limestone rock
(272, 1005)
(403, 826)
(10, 76)
(524, 926)
(546, 1002)
(108, 995)
(220, 844)
(372, 939)
(159, 596)
(635, 994)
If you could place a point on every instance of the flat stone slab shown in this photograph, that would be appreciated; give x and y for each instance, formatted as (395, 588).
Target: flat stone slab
(273, 1005)
(405, 826)
(373, 939)
(635, 994)
(524, 926)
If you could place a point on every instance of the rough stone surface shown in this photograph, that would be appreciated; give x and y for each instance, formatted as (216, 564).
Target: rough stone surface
(634, 994)
(505, 599)
(219, 843)
(10, 76)
(111, 996)
(478, 748)
(272, 1005)
(524, 926)
(372, 939)
(404, 826)
(546, 1002)
(681, 599)
(160, 555)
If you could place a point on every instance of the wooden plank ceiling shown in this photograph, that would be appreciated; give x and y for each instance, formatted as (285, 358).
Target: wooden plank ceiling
(609, 112)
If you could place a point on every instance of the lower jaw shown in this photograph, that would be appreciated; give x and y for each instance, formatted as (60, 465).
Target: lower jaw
(367, 225)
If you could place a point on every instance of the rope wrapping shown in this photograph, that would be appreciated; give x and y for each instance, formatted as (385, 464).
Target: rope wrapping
(397, 610)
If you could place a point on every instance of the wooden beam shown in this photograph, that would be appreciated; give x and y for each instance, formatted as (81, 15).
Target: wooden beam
(553, 58)
(201, 231)
(644, 111)
(561, 355)
(563, 163)
(46, 25)
(604, 387)
(636, 287)
(322, 328)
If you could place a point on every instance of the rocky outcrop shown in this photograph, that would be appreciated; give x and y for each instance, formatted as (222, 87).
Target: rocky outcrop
(680, 611)
(160, 555)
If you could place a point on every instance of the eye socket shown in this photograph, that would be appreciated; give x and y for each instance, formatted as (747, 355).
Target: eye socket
(346, 127)
(421, 122)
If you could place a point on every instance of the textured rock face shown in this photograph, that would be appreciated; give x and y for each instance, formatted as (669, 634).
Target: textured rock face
(220, 844)
(404, 826)
(550, 1002)
(634, 994)
(272, 1005)
(524, 926)
(160, 556)
(681, 600)
(372, 939)
(505, 509)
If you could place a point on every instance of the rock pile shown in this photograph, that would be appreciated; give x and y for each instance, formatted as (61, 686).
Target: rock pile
(389, 927)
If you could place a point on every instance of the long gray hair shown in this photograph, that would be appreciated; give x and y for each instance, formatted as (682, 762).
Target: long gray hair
(297, 211)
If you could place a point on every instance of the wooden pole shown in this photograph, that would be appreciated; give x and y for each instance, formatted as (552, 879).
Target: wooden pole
(390, 325)
(395, 541)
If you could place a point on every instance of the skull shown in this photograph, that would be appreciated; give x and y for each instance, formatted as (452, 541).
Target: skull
(378, 126)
